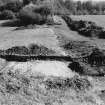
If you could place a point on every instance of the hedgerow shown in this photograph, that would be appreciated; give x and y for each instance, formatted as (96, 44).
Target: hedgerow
(85, 28)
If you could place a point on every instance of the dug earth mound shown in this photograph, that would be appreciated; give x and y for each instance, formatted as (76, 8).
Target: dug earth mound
(47, 68)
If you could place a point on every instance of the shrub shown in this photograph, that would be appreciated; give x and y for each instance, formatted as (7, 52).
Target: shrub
(2, 7)
(86, 28)
(77, 83)
(34, 15)
(102, 34)
(17, 50)
(50, 21)
(33, 49)
(43, 10)
(26, 2)
(12, 88)
(75, 66)
(40, 50)
(28, 16)
(13, 6)
(7, 14)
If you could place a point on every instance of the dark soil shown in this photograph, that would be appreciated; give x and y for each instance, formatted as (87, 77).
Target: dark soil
(80, 48)
(75, 83)
(85, 28)
(33, 49)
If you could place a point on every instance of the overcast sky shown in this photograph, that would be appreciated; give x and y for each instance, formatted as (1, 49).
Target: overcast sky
(90, 0)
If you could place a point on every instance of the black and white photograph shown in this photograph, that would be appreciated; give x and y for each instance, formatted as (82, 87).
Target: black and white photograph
(52, 52)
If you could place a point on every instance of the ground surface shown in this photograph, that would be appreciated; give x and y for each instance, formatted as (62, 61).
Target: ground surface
(24, 83)
(99, 20)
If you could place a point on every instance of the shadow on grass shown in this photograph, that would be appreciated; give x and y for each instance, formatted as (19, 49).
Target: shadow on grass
(13, 23)
(18, 24)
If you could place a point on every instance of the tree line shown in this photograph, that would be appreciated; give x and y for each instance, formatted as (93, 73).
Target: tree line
(12, 10)
(85, 8)
(80, 8)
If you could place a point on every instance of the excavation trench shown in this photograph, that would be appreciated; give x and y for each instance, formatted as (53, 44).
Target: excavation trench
(25, 58)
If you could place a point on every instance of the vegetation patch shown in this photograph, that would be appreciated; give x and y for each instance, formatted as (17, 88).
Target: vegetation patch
(10, 10)
(32, 49)
(33, 14)
(13, 6)
(85, 28)
(76, 83)
(79, 48)
(26, 14)
(75, 66)
(7, 14)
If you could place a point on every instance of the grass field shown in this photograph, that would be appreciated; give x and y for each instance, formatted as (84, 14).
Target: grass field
(24, 83)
